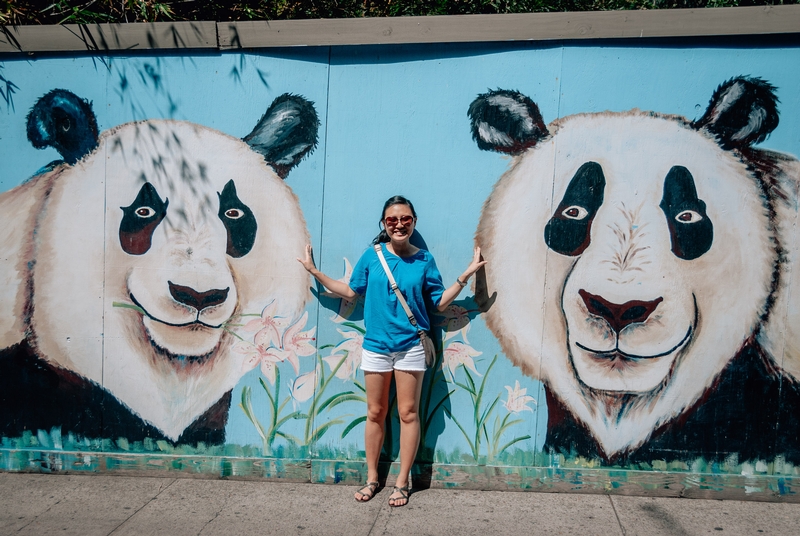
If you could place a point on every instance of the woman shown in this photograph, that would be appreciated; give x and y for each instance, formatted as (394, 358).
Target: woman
(391, 344)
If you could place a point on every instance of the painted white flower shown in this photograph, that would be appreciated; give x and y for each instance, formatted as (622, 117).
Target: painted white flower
(268, 325)
(456, 320)
(346, 307)
(298, 343)
(518, 399)
(269, 370)
(266, 356)
(302, 388)
(458, 353)
(350, 351)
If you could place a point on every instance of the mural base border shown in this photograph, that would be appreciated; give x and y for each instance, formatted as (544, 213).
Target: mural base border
(771, 488)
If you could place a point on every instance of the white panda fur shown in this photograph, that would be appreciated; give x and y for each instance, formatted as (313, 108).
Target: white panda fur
(712, 305)
(66, 272)
(22, 205)
(780, 336)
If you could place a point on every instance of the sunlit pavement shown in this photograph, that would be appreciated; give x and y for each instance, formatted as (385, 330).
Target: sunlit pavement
(87, 505)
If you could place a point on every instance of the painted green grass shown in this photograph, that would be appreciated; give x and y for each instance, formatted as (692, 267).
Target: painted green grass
(514, 457)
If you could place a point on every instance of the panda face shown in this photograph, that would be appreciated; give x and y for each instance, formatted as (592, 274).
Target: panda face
(186, 228)
(194, 294)
(633, 243)
(187, 224)
(632, 217)
(150, 244)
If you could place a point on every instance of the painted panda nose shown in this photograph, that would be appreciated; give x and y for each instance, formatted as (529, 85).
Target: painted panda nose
(198, 300)
(619, 315)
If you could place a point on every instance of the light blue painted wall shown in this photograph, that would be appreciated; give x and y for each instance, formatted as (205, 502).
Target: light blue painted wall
(393, 121)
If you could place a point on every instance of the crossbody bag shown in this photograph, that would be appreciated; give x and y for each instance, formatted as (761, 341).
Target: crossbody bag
(427, 342)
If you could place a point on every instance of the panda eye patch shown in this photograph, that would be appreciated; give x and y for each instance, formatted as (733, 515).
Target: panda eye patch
(140, 219)
(690, 228)
(239, 221)
(568, 231)
(575, 212)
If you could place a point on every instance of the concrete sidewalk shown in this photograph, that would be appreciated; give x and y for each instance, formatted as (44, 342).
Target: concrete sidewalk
(88, 505)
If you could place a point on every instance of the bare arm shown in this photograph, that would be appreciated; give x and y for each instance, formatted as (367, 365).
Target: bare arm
(337, 287)
(451, 293)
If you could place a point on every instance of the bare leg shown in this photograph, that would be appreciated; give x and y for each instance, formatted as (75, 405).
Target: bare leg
(409, 387)
(377, 385)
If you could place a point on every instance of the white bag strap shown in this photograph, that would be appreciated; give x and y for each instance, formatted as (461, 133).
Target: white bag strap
(396, 290)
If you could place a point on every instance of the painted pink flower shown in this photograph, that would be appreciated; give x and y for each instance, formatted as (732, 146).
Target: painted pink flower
(298, 343)
(346, 307)
(456, 320)
(268, 325)
(350, 351)
(302, 388)
(458, 353)
(266, 356)
(518, 399)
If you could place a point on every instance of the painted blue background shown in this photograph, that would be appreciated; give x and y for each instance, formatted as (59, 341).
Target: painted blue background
(393, 121)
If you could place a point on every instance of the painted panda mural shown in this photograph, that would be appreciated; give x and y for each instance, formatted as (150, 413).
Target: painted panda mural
(641, 267)
(122, 265)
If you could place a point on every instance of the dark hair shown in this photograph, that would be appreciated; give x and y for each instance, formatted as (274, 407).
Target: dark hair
(383, 236)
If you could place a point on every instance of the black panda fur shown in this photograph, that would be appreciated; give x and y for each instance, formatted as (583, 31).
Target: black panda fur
(35, 395)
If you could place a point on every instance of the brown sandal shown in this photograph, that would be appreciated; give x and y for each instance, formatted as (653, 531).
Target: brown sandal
(403, 495)
(368, 491)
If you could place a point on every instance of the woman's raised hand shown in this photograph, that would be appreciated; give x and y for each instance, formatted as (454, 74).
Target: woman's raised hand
(476, 264)
(453, 290)
(339, 288)
(308, 260)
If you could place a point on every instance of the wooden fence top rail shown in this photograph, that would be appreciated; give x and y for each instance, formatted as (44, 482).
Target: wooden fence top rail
(760, 20)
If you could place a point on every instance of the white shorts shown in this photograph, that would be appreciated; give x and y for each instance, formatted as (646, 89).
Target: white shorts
(411, 360)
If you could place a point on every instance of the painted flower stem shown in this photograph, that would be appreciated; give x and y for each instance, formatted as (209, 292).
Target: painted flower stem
(318, 406)
(276, 423)
(355, 327)
(268, 436)
(358, 420)
(128, 306)
(247, 406)
(493, 451)
(480, 415)
(233, 333)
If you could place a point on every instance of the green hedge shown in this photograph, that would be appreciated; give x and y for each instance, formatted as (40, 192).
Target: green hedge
(92, 11)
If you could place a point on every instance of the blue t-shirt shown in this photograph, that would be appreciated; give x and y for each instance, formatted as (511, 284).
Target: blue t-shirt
(417, 277)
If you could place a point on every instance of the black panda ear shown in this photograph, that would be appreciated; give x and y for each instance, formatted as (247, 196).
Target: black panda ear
(743, 111)
(62, 120)
(286, 133)
(506, 122)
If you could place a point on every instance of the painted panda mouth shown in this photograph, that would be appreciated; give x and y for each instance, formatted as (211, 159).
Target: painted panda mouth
(178, 359)
(616, 353)
(194, 323)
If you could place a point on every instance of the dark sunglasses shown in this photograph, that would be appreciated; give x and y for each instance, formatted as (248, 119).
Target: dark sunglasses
(392, 220)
